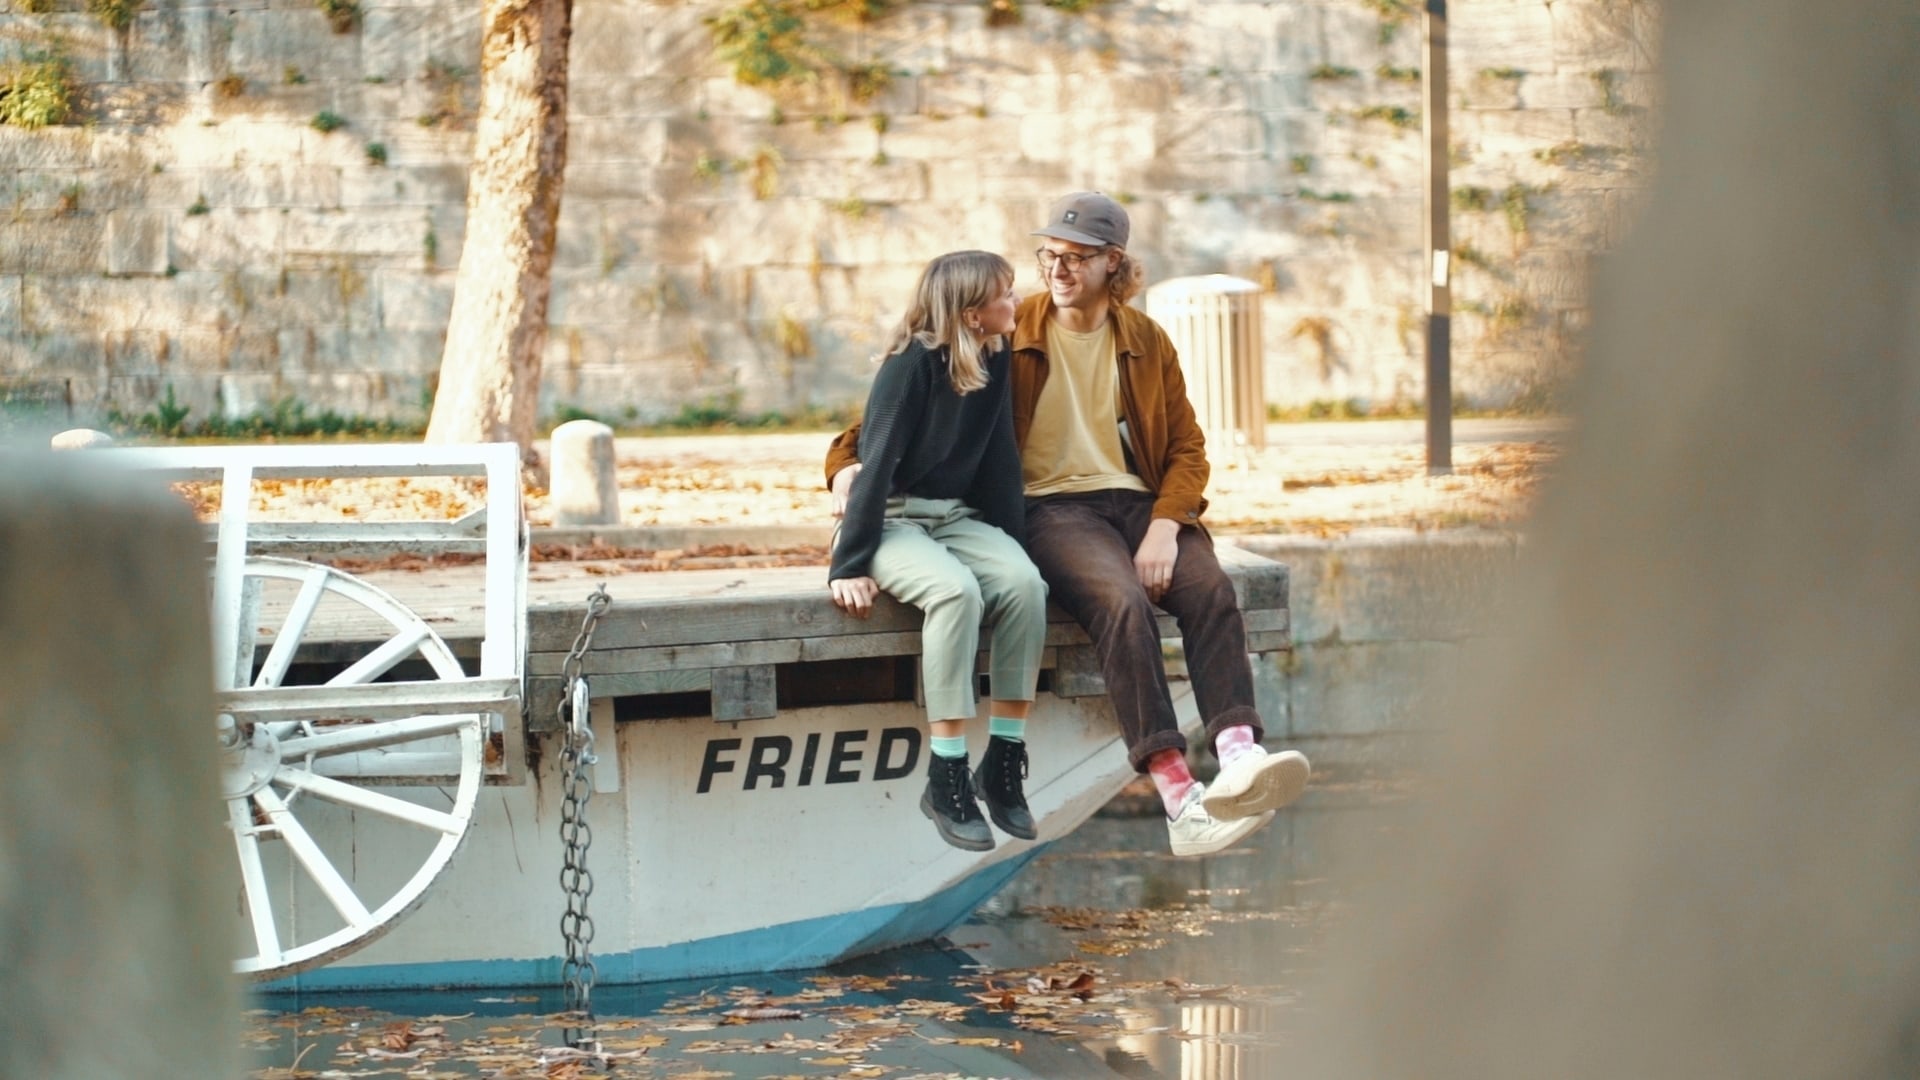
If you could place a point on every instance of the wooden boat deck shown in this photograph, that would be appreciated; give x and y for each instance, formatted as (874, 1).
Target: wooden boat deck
(749, 639)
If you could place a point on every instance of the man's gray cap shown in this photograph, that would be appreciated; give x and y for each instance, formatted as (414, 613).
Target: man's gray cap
(1087, 217)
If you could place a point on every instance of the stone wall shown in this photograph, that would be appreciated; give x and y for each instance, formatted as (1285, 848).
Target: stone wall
(746, 247)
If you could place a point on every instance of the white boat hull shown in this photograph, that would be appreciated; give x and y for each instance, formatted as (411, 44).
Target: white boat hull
(760, 845)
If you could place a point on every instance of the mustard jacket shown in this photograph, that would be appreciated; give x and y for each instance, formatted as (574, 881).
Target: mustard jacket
(1169, 450)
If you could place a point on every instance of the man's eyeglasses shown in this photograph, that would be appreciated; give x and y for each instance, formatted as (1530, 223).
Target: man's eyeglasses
(1073, 259)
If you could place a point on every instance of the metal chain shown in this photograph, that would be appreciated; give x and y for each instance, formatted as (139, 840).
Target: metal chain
(576, 836)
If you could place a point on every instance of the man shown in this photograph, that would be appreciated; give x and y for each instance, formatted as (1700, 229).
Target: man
(1114, 468)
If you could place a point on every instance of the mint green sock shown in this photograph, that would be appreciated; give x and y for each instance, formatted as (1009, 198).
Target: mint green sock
(1007, 728)
(950, 746)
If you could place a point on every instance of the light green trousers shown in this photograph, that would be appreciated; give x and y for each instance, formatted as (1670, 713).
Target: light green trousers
(937, 555)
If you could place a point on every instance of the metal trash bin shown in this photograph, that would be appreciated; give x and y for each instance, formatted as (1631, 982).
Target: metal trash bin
(1214, 320)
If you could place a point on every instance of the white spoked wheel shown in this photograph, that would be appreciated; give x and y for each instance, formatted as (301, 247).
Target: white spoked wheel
(341, 823)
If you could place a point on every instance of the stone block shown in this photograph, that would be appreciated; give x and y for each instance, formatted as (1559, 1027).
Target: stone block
(74, 244)
(410, 300)
(367, 230)
(1561, 90)
(136, 242)
(1481, 36)
(1367, 689)
(266, 43)
(225, 239)
(626, 94)
(1595, 34)
(612, 40)
(44, 148)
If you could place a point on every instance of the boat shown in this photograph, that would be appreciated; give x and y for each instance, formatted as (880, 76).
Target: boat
(446, 769)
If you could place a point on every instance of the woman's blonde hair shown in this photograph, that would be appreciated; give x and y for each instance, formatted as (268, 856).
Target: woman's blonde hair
(950, 285)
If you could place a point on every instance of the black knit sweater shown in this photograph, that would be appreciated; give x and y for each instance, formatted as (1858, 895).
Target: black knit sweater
(921, 438)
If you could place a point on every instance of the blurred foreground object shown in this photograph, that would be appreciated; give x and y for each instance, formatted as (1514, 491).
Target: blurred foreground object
(1680, 829)
(115, 888)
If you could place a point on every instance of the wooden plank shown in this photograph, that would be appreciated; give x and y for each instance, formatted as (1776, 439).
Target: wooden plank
(743, 693)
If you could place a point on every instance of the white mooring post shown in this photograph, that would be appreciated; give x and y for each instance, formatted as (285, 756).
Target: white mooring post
(116, 881)
(584, 488)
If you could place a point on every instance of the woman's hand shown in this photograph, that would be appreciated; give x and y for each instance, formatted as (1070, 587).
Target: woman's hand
(854, 595)
(843, 487)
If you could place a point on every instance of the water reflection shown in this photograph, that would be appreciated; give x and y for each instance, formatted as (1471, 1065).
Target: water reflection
(1105, 958)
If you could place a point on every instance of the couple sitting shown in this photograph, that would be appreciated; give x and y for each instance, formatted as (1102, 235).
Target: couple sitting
(1016, 449)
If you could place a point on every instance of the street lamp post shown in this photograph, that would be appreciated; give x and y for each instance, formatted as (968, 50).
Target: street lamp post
(1439, 296)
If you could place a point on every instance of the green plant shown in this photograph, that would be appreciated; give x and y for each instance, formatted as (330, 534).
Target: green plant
(855, 208)
(342, 15)
(867, 81)
(114, 14)
(169, 416)
(36, 7)
(292, 76)
(776, 117)
(1474, 199)
(1074, 6)
(761, 41)
(1332, 73)
(1510, 74)
(430, 247)
(229, 86)
(1300, 164)
(1398, 74)
(37, 92)
(765, 165)
(1607, 80)
(879, 158)
(376, 153)
(1331, 196)
(880, 123)
(326, 122)
(1516, 201)
(1399, 116)
(1473, 256)
(199, 207)
(792, 336)
(1125, 198)
(1573, 152)
(1317, 330)
(709, 168)
(1003, 12)
(447, 83)
(1392, 14)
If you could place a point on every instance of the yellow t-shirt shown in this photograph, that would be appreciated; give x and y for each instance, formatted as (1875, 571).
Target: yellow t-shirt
(1074, 443)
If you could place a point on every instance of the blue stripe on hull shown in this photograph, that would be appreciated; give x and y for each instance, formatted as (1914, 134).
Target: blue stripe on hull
(807, 943)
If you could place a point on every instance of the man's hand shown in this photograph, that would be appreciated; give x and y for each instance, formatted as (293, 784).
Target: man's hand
(855, 595)
(842, 488)
(1153, 563)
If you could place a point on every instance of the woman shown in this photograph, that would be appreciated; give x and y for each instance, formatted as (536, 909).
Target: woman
(936, 519)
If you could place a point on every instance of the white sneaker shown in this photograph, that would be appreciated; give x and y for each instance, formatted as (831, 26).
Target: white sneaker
(1195, 832)
(1257, 782)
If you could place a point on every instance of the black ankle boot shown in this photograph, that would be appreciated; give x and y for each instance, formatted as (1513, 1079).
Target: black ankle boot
(949, 801)
(998, 780)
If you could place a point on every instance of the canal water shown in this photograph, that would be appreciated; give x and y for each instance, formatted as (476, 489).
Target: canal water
(1105, 958)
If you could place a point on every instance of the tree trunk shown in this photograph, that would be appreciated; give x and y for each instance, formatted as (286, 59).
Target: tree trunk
(490, 373)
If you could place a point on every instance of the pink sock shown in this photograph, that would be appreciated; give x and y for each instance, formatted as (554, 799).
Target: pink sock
(1169, 771)
(1233, 742)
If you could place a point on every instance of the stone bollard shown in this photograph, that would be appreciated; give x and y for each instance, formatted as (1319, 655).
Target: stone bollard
(81, 439)
(584, 489)
(117, 883)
